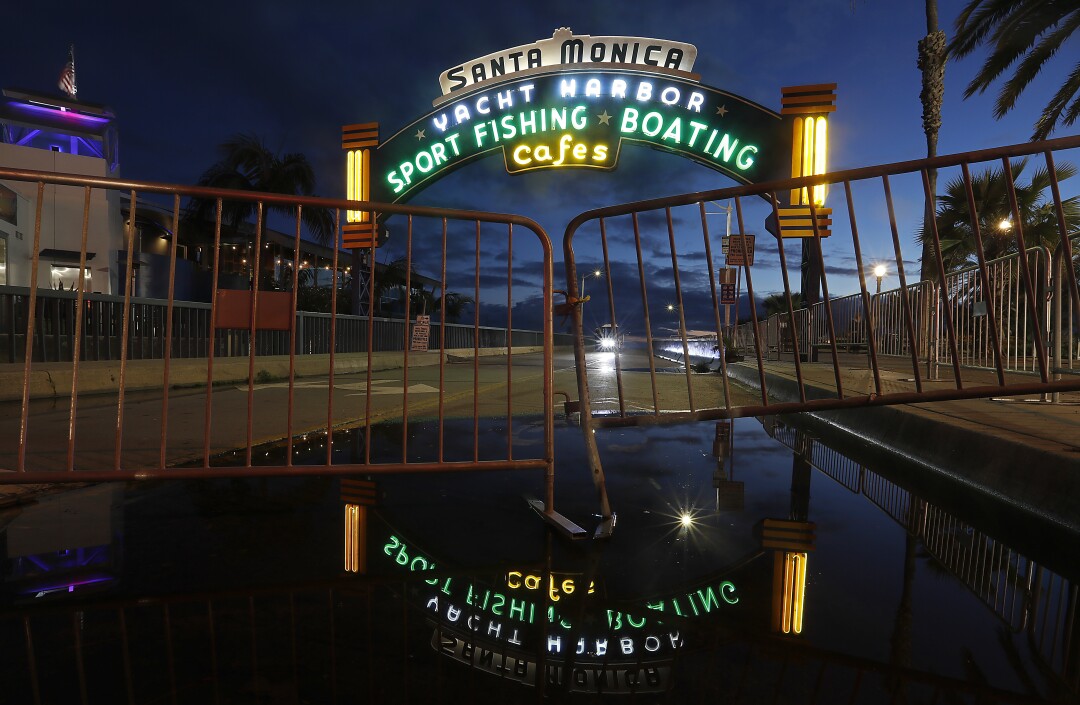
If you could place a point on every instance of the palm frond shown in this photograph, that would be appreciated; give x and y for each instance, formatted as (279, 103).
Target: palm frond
(1024, 35)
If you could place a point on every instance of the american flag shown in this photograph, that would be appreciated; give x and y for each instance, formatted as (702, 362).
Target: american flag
(67, 76)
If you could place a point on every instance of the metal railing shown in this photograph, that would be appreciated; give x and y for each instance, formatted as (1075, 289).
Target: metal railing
(970, 305)
(1065, 313)
(102, 326)
(101, 446)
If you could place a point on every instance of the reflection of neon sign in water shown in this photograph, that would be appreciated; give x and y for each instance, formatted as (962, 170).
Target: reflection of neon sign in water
(494, 631)
(556, 586)
(512, 664)
(459, 600)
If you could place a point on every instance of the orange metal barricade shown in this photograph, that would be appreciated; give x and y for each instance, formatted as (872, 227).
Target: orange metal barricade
(179, 433)
(676, 254)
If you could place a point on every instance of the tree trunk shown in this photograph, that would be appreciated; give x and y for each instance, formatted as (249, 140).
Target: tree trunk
(931, 63)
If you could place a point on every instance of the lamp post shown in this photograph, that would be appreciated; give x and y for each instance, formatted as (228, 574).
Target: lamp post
(726, 210)
(595, 273)
(879, 272)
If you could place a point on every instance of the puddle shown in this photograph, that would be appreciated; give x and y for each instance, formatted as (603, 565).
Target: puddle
(749, 561)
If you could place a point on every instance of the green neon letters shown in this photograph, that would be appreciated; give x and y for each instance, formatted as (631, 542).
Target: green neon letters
(578, 118)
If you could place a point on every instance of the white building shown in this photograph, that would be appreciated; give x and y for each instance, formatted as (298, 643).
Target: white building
(42, 132)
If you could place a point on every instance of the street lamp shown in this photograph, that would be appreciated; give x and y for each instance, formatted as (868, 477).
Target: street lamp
(595, 273)
(879, 272)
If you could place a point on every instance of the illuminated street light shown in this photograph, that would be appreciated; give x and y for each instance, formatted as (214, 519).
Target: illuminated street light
(1005, 224)
(879, 272)
(581, 290)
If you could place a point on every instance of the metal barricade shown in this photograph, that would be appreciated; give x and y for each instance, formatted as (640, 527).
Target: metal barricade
(1065, 314)
(848, 320)
(166, 434)
(969, 303)
(887, 312)
(670, 281)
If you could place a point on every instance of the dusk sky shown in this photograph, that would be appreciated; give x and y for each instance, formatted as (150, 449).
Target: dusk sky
(184, 78)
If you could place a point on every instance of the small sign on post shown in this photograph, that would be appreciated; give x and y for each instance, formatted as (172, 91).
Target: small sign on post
(420, 333)
(727, 286)
(740, 250)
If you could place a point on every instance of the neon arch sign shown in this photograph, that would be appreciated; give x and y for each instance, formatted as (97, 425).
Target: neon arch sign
(574, 101)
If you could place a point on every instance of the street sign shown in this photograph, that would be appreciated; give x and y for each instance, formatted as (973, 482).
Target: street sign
(727, 294)
(728, 275)
(420, 333)
(740, 250)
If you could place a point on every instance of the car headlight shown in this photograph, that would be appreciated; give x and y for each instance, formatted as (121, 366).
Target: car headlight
(607, 343)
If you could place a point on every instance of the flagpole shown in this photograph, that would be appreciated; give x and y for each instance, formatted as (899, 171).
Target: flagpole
(74, 84)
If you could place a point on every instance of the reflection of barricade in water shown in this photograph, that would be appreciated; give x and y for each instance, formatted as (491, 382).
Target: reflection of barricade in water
(1024, 595)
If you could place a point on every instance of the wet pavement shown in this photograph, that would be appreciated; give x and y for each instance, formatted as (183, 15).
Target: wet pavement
(750, 563)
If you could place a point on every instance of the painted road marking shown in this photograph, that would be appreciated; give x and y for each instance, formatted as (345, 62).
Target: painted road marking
(378, 387)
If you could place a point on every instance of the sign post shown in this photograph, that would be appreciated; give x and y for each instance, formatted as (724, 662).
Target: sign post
(740, 251)
(727, 288)
(421, 332)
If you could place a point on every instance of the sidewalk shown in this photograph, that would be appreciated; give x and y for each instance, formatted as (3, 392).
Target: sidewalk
(1019, 448)
(140, 433)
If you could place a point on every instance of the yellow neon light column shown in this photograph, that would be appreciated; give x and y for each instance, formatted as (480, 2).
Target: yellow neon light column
(793, 593)
(355, 540)
(358, 182)
(809, 151)
(359, 141)
(809, 107)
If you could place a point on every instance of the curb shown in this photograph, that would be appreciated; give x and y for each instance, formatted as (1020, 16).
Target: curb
(49, 380)
(1034, 480)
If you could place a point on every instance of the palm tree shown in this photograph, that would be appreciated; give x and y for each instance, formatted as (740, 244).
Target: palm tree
(393, 278)
(1024, 34)
(1038, 216)
(249, 165)
(932, 66)
(455, 304)
(777, 303)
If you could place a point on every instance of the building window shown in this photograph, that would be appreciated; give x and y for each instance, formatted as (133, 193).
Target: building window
(9, 205)
(65, 277)
(3, 260)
